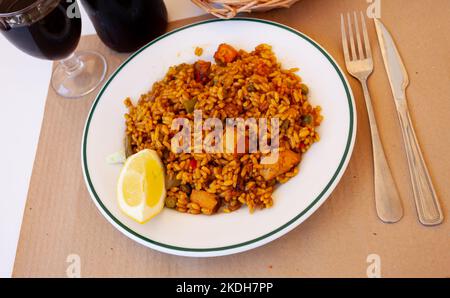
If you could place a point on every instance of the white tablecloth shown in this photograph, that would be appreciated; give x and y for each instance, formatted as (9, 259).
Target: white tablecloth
(23, 89)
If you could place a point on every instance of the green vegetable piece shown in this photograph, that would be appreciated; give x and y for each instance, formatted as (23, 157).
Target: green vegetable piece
(305, 89)
(307, 120)
(186, 188)
(189, 105)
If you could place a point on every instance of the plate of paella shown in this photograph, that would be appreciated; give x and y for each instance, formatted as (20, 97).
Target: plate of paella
(218, 137)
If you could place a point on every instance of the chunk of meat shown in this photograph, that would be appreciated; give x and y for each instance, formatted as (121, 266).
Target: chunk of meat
(225, 54)
(202, 69)
(205, 200)
(286, 161)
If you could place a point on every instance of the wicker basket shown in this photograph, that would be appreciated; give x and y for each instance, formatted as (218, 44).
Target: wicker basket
(227, 9)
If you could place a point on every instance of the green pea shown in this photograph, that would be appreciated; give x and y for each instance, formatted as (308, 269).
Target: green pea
(171, 202)
(307, 120)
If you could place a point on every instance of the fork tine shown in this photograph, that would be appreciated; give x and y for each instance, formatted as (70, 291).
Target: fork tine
(358, 37)
(352, 40)
(344, 40)
(366, 36)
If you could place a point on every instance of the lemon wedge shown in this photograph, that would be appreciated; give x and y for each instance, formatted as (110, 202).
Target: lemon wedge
(141, 188)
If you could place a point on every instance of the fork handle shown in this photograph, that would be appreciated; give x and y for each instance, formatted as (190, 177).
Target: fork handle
(427, 203)
(387, 199)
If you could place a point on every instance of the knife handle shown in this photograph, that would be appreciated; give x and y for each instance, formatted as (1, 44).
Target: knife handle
(427, 203)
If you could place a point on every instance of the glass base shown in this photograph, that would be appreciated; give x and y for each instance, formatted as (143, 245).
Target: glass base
(79, 75)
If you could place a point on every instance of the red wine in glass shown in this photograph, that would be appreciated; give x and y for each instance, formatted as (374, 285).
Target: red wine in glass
(53, 37)
(44, 29)
(127, 25)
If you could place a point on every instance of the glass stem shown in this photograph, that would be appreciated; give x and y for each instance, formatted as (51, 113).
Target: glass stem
(71, 64)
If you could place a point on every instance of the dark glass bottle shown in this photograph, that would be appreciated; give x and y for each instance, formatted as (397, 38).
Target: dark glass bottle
(127, 25)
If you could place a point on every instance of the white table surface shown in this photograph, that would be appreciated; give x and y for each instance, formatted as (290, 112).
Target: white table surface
(23, 87)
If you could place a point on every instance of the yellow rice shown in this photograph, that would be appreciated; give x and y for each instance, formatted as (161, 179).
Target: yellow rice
(238, 89)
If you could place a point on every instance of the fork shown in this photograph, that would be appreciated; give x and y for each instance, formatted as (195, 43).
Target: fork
(359, 63)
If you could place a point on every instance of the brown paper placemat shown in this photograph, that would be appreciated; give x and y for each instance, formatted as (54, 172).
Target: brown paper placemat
(60, 219)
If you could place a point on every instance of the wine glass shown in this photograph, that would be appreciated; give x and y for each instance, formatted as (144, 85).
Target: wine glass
(47, 29)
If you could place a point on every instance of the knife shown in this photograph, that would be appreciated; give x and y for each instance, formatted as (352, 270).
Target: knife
(427, 203)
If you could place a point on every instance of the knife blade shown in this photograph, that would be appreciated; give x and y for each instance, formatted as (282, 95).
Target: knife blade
(427, 204)
(398, 76)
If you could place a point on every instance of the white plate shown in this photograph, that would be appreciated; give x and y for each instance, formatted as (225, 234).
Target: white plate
(223, 234)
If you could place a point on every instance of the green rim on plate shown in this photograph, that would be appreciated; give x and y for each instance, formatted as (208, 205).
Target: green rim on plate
(253, 241)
